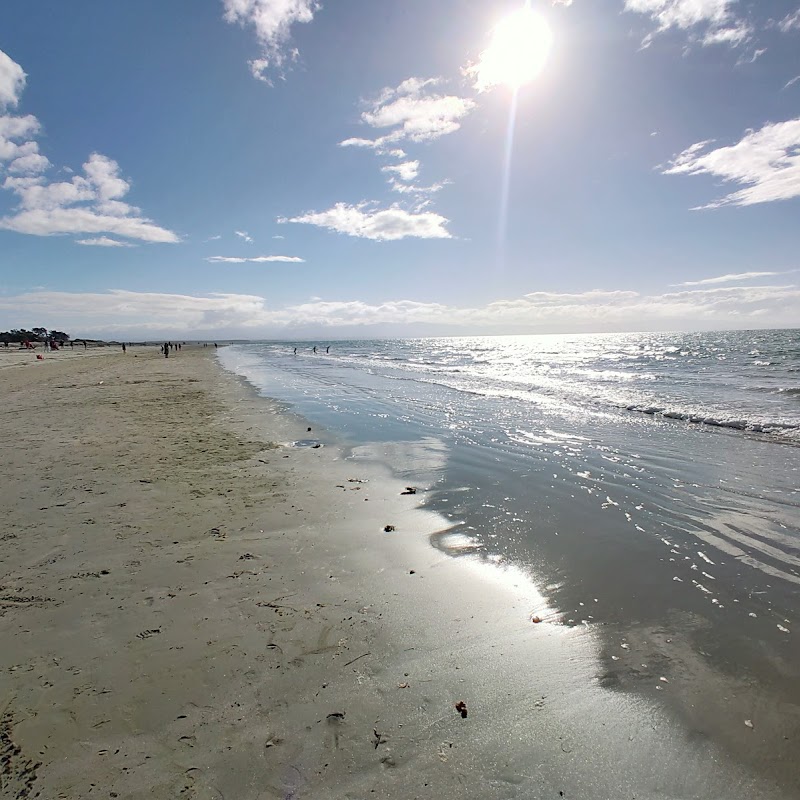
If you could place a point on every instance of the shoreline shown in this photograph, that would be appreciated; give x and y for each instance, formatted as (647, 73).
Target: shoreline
(195, 609)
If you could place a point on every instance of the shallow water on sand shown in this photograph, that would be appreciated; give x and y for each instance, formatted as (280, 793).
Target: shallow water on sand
(538, 451)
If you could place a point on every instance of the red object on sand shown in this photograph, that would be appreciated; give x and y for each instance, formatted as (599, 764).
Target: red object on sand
(40, 356)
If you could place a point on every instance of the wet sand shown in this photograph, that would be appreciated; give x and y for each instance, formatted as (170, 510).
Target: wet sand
(190, 607)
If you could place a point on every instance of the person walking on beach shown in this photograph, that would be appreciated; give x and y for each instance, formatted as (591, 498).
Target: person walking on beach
(124, 349)
(166, 349)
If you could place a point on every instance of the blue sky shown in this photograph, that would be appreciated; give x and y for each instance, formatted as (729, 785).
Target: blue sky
(294, 168)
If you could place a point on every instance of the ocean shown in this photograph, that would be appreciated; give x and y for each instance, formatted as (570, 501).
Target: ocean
(647, 483)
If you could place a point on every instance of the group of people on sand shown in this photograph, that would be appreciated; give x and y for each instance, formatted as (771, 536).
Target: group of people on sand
(167, 346)
(173, 346)
(49, 345)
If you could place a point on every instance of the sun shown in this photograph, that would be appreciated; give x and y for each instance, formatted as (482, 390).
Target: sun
(517, 53)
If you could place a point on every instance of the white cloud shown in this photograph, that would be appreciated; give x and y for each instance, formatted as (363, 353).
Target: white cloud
(12, 81)
(713, 17)
(766, 162)
(682, 13)
(734, 35)
(139, 311)
(406, 171)
(52, 208)
(255, 260)
(245, 236)
(792, 82)
(21, 157)
(357, 141)
(103, 173)
(752, 57)
(412, 112)
(43, 222)
(791, 22)
(258, 68)
(272, 21)
(104, 241)
(387, 224)
(18, 127)
(278, 236)
(738, 276)
(152, 314)
(89, 203)
(29, 163)
(212, 238)
(413, 188)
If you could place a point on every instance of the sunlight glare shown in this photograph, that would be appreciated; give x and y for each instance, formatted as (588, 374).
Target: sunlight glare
(520, 45)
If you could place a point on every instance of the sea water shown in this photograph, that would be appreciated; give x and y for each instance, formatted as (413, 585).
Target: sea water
(637, 478)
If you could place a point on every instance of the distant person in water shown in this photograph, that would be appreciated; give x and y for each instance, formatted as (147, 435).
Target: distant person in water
(215, 344)
(315, 348)
(295, 351)
(328, 349)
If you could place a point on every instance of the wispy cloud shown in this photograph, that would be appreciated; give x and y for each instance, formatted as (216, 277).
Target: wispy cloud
(367, 222)
(738, 276)
(752, 57)
(212, 238)
(766, 162)
(250, 315)
(255, 259)
(104, 241)
(89, 203)
(245, 236)
(734, 34)
(791, 22)
(412, 111)
(714, 20)
(413, 188)
(272, 21)
(792, 82)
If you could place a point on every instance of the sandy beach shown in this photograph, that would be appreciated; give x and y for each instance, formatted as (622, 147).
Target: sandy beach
(191, 607)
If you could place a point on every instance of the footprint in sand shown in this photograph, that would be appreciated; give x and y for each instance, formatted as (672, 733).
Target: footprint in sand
(18, 772)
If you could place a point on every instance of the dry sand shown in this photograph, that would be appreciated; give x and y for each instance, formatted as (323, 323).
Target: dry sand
(190, 608)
